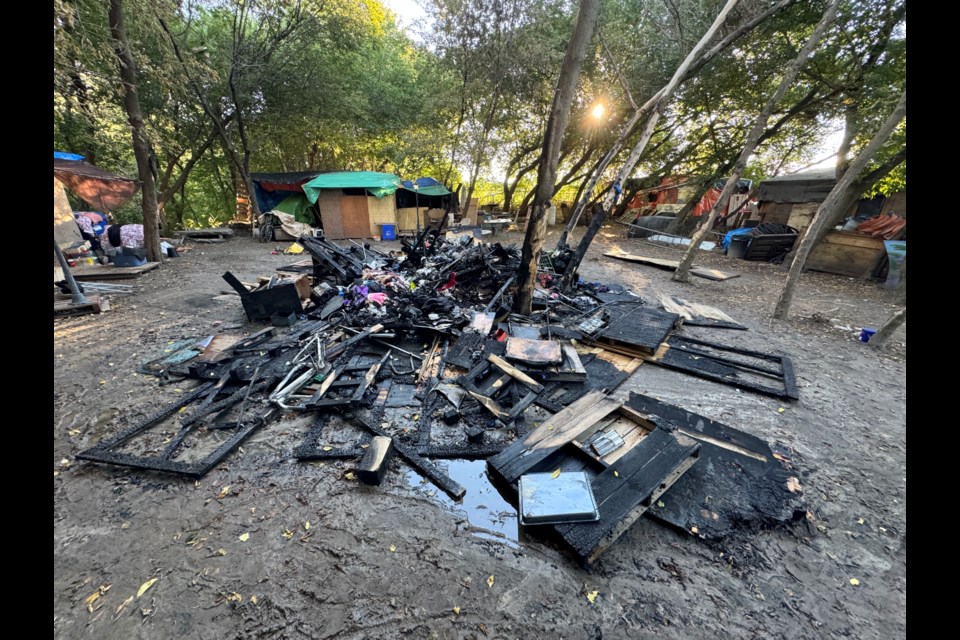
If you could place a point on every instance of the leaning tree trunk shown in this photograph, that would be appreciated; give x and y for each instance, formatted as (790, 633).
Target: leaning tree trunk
(837, 196)
(884, 333)
(665, 94)
(141, 148)
(682, 274)
(638, 114)
(547, 172)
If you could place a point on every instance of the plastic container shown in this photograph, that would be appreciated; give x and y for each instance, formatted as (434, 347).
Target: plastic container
(738, 246)
(389, 231)
(866, 333)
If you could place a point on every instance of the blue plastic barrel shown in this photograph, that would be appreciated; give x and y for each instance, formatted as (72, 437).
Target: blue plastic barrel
(389, 231)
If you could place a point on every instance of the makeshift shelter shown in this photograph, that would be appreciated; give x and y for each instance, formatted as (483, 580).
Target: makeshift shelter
(793, 200)
(102, 190)
(284, 192)
(857, 250)
(430, 196)
(355, 204)
(674, 193)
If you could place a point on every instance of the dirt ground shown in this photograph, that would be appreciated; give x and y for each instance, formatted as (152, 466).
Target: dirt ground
(232, 555)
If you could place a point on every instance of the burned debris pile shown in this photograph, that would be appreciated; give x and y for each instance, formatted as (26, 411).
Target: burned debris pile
(417, 356)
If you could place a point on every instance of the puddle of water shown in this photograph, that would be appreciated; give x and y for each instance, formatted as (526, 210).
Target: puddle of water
(483, 505)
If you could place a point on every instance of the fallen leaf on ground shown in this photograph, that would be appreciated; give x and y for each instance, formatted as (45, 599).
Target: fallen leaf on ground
(146, 585)
(694, 530)
(221, 552)
(483, 628)
(253, 599)
(328, 448)
(456, 610)
(287, 534)
(392, 548)
(223, 492)
(616, 474)
(490, 581)
(780, 457)
(859, 520)
(854, 581)
(660, 503)
(125, 525)
(90, 599)
(306, 525)
(349, 475)
(555, 474)
(793, 485)
(592, 595)
(233, 596)
(122, 605)
(781, 410)
(244, 537)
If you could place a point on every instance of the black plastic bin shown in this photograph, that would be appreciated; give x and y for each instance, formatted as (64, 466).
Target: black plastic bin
(738, 246)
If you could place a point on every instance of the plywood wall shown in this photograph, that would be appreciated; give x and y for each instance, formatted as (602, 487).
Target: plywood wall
(382, 210)
(330, 214)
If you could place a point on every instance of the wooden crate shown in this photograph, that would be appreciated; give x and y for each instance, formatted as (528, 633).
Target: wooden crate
(846, 253)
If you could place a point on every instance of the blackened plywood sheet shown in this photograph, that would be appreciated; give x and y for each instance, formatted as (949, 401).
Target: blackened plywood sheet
(738, 482)
(628, 488)
(638, 326)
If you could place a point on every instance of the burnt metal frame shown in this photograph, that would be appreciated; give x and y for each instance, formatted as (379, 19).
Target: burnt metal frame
(105, 453)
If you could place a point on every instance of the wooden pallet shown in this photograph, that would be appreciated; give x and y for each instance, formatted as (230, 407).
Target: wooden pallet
(99, 272)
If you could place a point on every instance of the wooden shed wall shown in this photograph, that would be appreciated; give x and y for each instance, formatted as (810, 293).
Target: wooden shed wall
(330, 213)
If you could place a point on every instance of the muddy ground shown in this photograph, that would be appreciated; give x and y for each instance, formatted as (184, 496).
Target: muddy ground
(402, 560)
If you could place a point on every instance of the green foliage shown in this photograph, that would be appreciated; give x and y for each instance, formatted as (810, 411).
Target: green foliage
(335, 84)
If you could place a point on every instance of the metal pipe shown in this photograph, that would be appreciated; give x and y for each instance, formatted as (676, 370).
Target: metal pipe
(78, 297)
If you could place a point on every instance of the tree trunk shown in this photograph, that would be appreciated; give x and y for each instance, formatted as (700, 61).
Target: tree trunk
(827, 210)
(478, 153)
(638, 115)
(682, 274)
(141, 147)
(664, 96)
(547, 172)
(883, 334)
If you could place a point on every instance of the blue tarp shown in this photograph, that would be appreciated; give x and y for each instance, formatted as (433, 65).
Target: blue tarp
(736, 232)
(422, 182)
(63, 155)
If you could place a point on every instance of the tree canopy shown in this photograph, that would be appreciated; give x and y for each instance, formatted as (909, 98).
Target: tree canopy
(233, 86)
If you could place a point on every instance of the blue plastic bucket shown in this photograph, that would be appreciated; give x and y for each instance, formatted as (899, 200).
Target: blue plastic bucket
(866, 333)
(389, 231)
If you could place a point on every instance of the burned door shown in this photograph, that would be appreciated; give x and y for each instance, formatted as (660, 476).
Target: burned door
(356, 217)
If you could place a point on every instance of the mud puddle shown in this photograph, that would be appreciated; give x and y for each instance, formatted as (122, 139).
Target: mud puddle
(483, 505)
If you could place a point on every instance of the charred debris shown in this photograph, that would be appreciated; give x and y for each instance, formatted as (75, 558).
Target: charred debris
(418, 356)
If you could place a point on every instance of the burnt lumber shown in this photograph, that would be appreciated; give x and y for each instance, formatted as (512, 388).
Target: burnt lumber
(766, 373)
(625, 482)
(373, 465)
(739, 484)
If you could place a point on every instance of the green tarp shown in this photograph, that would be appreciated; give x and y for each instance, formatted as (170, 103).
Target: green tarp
(376, 184)
(296, 205)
